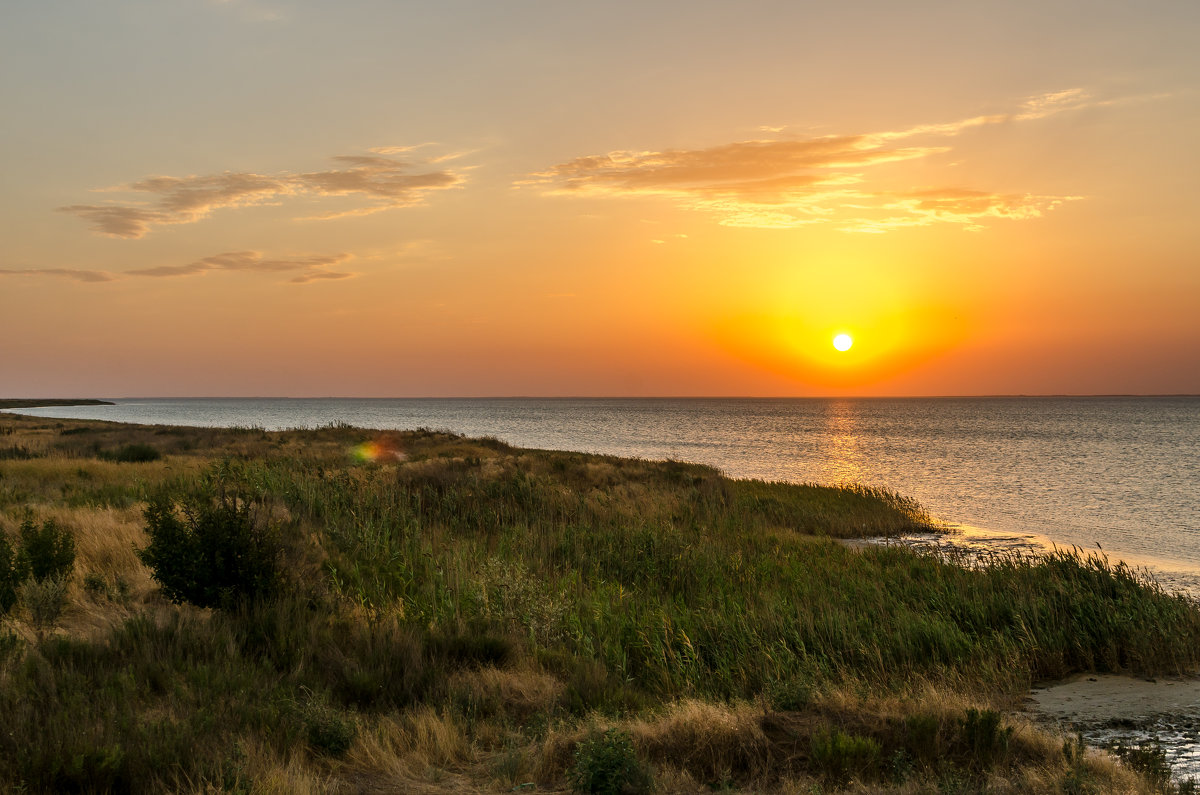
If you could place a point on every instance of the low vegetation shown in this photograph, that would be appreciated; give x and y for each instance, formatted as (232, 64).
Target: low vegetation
(266, 612)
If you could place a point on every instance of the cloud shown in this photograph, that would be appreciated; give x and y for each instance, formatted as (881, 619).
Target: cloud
(306, 269)
(66, 273)
(383, 180)
(245, 261)
(118, 221)
(790, 182)
(956, 206)
(312, 276)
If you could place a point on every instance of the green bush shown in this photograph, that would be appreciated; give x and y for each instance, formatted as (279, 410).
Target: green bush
(95, 586)
(8, 576)
(45, 600)
(133, 454)
(46, 552)
(788, 695)
(986, 740)
(607, 764)
(211, 548)
(328, 730)
(840, 756)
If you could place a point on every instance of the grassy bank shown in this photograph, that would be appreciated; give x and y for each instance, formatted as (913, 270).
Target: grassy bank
(457, 615)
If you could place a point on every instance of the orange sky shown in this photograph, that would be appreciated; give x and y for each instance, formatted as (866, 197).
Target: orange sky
(545, 198)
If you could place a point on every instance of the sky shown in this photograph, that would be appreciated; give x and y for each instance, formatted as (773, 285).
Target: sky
(545, 198)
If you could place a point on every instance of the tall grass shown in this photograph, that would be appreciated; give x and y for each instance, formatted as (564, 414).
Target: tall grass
(683, 583)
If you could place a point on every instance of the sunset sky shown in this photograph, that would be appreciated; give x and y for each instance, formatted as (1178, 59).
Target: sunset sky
(487, 198)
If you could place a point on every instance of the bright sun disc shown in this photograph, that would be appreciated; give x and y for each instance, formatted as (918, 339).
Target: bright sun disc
(842, 342)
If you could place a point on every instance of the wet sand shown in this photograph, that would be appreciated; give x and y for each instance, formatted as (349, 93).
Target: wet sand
(1106, 697)
(1108, 709)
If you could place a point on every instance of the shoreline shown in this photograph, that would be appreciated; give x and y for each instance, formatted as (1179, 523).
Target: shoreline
(31, 403)
(977, 543)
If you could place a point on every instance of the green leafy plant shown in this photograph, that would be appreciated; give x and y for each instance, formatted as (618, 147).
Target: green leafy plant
(986, 739)
(210, 547)
(45, 600)
(1150, 759)
(46, 552)
(607, 764)
(328, 730)
(840, 756)
(8, 576)
(1077, 780)
(133, 454)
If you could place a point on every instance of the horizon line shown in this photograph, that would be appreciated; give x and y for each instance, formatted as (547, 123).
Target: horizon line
(635, 397)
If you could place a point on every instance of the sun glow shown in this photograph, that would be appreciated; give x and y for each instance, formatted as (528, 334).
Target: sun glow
(842, 342)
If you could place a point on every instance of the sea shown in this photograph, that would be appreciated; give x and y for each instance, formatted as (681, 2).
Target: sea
(1118, 476)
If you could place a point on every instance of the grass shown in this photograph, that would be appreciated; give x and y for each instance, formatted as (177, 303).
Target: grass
(460, 615)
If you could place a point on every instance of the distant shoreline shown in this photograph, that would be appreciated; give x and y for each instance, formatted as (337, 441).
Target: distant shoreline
(18, 403)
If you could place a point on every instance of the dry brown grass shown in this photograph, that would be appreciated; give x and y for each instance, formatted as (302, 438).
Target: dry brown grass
(515, 694)
(269, 774)
(713, 742)
(695, 745)
(411, 746)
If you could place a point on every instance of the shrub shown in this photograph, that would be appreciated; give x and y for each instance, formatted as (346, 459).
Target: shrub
(45, 600)
(133, 454)
(210, 548)
(986, 740)
(95, 586)
(607, 764)
(8, 576)
(840, 756)
(10, 647)
(47, 552)
(328, 730)
(789, 695)
(1150, 759)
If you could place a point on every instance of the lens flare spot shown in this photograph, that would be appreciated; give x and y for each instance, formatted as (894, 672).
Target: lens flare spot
(377, 450)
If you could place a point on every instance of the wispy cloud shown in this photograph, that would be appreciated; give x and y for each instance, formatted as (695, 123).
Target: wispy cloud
(302, 269)
(65, 273)
(381, 179)
(314, 276)
(789, 182)
(958, 206)
(311, 267)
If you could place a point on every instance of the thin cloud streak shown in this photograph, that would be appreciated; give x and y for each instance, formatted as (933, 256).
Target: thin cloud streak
(385, 181)
(776, 184)
(66, 273)
(307, 269)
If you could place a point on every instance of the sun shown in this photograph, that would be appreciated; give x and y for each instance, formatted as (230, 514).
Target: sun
(842, 342)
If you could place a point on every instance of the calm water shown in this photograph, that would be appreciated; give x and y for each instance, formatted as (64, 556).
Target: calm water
(1123, 473)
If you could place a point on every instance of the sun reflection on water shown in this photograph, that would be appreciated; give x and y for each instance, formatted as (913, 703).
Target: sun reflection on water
(841, 455)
